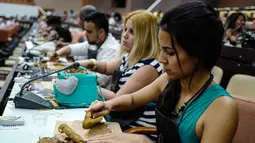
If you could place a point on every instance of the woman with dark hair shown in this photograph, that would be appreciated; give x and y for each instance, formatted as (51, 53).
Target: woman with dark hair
(235, 27)
(57, 31)
(191, 107)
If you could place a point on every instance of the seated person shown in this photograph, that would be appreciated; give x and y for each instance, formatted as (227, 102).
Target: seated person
(191, 107)
(137, 67)
(235, 27)
(79, 36)
(84, 11)
(100, 44)
(115, 20)
(56, 30)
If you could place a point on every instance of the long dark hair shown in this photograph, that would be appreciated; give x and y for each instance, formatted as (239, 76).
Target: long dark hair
(199, 31)
(231, 20)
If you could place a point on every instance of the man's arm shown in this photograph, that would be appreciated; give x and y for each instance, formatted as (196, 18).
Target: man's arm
(65, 51)
(80, 49)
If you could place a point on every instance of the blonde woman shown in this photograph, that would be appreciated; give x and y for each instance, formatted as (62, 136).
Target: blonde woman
(137, 67)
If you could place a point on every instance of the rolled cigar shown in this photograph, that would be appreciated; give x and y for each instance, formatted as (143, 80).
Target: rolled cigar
(64, 128)
(89, 122)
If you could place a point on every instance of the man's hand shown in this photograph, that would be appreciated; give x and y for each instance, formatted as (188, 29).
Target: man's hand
(60, 44)
(54, 56)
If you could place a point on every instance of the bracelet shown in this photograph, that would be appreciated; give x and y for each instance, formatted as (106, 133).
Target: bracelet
(95, 64)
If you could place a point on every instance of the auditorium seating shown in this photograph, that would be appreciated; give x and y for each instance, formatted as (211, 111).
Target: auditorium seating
(246, 126)
(218, 73)
(236, 61)
(243, 85)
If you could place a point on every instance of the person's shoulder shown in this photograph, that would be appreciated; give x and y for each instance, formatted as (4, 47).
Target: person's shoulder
(111, 45)
(223, 103)
(222, 98)
(111, 40)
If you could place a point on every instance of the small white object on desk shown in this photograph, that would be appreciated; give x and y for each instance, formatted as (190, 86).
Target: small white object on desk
(21, 79)
(29, 45)
(11, 120)
(9, 127)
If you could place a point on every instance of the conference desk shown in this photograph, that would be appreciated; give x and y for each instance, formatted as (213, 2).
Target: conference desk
(30, 132)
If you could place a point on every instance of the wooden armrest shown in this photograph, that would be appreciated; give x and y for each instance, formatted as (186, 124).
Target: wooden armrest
(142, 130)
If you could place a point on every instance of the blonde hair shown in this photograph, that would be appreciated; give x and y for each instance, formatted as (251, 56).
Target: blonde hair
(146, 45)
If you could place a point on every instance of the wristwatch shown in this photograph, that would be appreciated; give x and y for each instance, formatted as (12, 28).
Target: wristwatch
(95, 64)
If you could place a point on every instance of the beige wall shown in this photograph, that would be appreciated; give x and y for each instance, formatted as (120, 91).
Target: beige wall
(236, 3)
(168, 4)
(101, 5)
(104, 5)
(60, 5)
(131, 5)
(141, 4)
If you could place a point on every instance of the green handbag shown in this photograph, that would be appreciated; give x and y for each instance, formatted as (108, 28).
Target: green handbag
(85, 92)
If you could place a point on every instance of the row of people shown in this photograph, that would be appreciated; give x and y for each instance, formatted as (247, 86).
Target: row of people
(135, 68)
(190, 106)
(188, 45)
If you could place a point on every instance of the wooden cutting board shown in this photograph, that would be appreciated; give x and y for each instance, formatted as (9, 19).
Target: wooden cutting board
(103, 128)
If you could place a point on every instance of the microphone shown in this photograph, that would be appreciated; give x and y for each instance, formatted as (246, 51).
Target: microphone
(30, 100)
(74, 65)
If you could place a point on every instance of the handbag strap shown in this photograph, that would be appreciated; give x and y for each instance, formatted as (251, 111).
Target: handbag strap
(107, 118)
(101, 93)
(80, 68)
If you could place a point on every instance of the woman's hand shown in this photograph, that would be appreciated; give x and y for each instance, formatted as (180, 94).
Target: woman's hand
(99, 108)
(87, 64)
(54, 56)
(119, 137)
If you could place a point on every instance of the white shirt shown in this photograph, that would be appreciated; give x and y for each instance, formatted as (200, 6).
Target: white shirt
(108, 51)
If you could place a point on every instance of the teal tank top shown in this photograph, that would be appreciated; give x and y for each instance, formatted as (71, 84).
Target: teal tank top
(192, 113)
